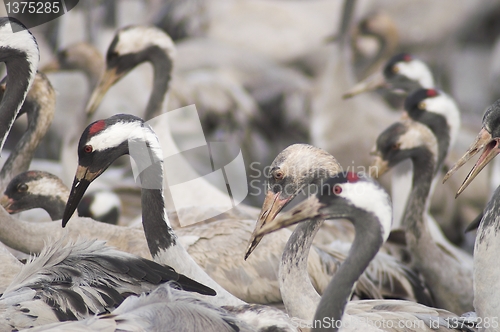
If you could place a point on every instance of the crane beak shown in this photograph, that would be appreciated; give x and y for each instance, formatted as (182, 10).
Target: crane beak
(484, 141)
(378, 167)
(6, 203)
(270, 208)
(307, 209)
(51, 67)
(109, 78)
(83, 178)
(372, 82)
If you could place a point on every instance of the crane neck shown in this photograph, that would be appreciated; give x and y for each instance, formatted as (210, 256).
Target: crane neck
(161, 239)
(414, 215)
(162, 67)
(299, 295)
(387, 43)
(20, 75)
(149, 160)
(40, 112)
(54, 207)
(440, 127)
(367, 242)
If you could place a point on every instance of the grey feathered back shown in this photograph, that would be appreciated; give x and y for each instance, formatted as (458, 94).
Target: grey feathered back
(77, 280)
(164, 309)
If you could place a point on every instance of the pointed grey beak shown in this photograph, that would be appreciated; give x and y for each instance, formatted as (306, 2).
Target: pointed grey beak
(83, 178)
(270, 208)
(308, 209)
(490, 146)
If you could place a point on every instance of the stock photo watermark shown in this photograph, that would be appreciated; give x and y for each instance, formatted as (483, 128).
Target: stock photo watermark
(362, 323)
(36, 12)
(224, 186)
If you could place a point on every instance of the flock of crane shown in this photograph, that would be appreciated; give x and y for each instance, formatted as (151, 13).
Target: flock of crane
(382, 265)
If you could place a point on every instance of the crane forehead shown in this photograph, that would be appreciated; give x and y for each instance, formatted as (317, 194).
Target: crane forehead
(97, 127)
(120, 132)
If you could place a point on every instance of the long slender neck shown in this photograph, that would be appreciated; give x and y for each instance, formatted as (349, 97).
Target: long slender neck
(159, 234)
(299, 296)
(162, 66)
(423, 172)
(27, 237)
(440, 127)
(387, 44)
(19, 78)
(162, 241)
(366, 244)
(455, 294)
(39, 120)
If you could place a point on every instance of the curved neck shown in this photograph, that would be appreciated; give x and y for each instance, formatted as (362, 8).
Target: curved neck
(20, 75)
(162, 66)
(54, 204)
(454, 294)
(39, 120)
(54, 207)
(440, 127)
(161, 239)
(413, 218)
(387, 43)
(299, 295)
(24, 236)
(367, 242)
(149, 159)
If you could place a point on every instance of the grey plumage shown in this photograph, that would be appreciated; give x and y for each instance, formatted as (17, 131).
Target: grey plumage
(164, 309)
(299, 166)
(75, 281)
(367, 206)
(415, 141)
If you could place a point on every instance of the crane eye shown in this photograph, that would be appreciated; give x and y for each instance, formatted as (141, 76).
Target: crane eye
(395, 69)
(23, 187)
(278, 175)
(88, 149)
(396, 146)
(422, 105)
(337, 190)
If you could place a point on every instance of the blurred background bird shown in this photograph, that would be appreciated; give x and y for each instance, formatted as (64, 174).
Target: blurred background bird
(263, 75)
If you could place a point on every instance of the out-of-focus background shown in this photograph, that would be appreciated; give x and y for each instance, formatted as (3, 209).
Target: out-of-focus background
(268, 65)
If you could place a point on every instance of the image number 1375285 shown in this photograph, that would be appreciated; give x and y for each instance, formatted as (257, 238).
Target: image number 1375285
(36, 12)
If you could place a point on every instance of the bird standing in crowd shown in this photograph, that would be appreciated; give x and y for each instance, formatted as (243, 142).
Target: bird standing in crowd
(189, 261)
(366, 204)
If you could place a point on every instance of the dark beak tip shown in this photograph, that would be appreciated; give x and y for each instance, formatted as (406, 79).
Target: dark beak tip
(250, 249)
(248, 253)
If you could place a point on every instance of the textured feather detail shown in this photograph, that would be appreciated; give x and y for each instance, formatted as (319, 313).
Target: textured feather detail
(164, 309)
(263, 318)
(77, 280)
